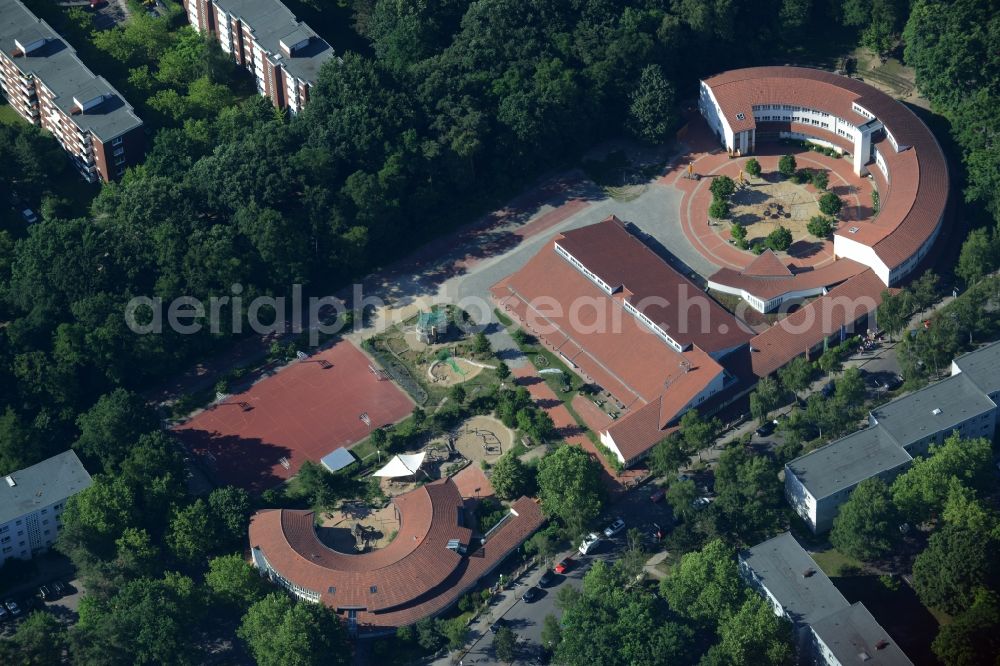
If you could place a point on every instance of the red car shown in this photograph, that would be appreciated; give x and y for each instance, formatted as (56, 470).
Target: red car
(564, 566)
(657, 495)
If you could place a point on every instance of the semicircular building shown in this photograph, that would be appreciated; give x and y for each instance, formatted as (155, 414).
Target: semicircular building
(882, 138)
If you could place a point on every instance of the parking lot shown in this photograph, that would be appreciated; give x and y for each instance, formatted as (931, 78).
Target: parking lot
(24, 592)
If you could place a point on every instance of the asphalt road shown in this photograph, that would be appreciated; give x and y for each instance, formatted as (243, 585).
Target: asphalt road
(526, 619)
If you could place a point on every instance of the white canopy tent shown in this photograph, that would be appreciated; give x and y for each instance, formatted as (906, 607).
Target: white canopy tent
(404, 465)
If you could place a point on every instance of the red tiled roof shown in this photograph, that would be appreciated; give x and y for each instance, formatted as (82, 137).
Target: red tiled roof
(912, 208)
(806, 328)
(414, 576)
(767, 264)
(767, 288)
(623, 261)
(653, 380)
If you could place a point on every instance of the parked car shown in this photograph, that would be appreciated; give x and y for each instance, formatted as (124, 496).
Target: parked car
(547, 578)
(500, 622)
(614, 528)
(894, 382)
(701, 502)
(657, 495)
(29, 216)
(589, 543)
(765, 429)
(60, 589)
(531, 594)
(4, 615)
(564, 565)
(828, 389)
(12, 607)
(656, 532)
(45, 594)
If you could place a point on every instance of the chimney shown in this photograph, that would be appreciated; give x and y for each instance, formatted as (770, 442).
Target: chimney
(882, 644)
(808, 573)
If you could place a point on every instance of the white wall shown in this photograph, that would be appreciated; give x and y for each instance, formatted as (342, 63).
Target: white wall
(844, 247)
(25, 534)
(713, 114)
(800, 499)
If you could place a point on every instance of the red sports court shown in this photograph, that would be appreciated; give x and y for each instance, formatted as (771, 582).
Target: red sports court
(258, 438)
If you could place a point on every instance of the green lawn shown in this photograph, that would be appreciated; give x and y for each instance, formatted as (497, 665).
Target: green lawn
(832, 562)
(8, 116)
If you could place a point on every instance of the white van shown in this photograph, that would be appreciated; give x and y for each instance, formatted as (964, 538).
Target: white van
(589, 543)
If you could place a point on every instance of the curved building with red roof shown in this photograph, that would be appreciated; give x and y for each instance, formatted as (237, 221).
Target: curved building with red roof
(883, 138)
(434, 558)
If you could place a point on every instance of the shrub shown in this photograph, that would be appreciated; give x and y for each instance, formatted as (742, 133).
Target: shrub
(830, 204)
(820, 180)
(719, 210)
(779, 240)
(820, 226)
(875, 201)
(787, 165)
(738, 232)
(801, 177)
(753, 167)
(722, 187)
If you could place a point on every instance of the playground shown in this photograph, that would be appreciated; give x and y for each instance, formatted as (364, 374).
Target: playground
(482, 438)
(259, 437)
(431, 352)
(764, 206)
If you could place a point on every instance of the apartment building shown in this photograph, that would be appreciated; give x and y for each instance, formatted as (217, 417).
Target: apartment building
(818, 483)
(827, 629)
(32, 501)
(264, 37)
(47, 84)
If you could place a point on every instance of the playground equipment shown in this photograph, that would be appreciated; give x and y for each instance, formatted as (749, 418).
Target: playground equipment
(432, 326)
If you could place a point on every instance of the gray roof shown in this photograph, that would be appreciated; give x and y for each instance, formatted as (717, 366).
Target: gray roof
(981, 366)
(933, 409)
(271, 22)
(57, 66)
(852, 633)
(781, 565)
(41, 485)
(848, 461)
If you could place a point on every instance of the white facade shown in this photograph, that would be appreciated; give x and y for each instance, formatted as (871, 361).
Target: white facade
(846, 248)
(759, 304)
(31, 533)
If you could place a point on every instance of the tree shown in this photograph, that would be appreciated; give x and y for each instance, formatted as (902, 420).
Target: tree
(764, 399)
(922, 491)
(481, 344)
(820, 226)
(96, 516)
(569, 485)
(551, 632)
(457, 393)
(881, 32)
(503, 371)
(718, 209)
(829, 361)
(749, 497)
(698, 433)
(668, 455)
(191, 535)
(978, 256)
(892, 313)
(924, 290)
(787, 166)
(971, 638)
(505, 644)
(754, 635)
(112, 426)
(830, 204)
(752, 167)
(705, 586)
(681, 496)
(510, 478)
(956, 563)
(234, 581)
(39, 639)
(278, 631)
(779, 240)
(820, 179)
(148, 621)
(865, 527)
(651, 109)
(136, 554)
(722, 187)
(739, 233)
(230, 508)
(797, 375)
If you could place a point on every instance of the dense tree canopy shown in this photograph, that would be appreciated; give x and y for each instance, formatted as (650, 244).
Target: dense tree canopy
(569, 485)
(866, 525)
